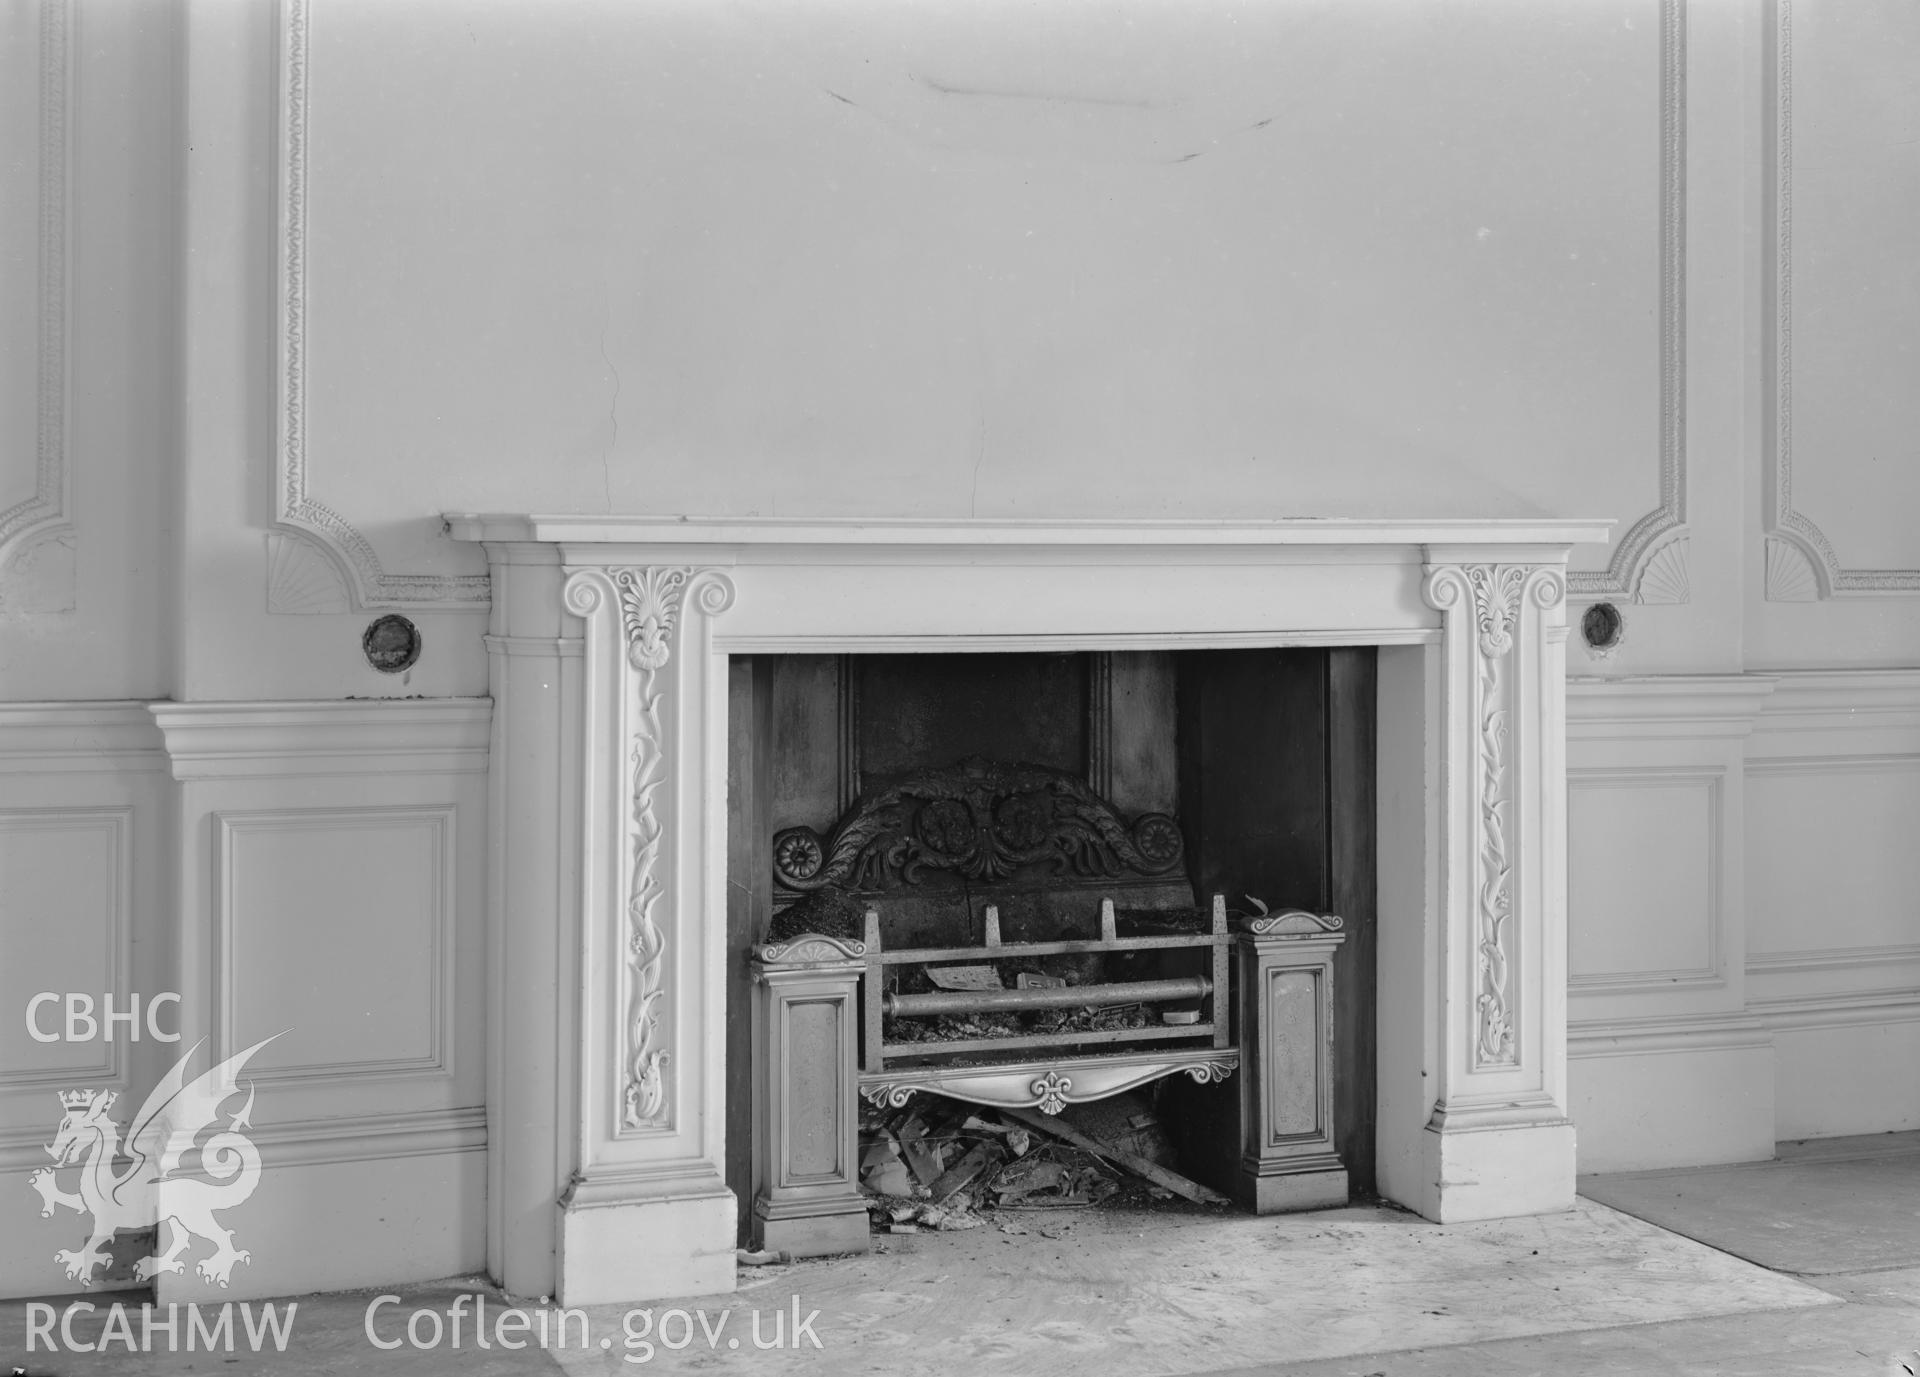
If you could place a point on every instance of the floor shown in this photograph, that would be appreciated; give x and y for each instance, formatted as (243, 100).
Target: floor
(1808, 1264)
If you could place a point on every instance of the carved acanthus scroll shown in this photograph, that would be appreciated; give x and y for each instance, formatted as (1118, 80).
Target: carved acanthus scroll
(649, 609)
(1496, 592)
(1496, 602)
(983, 820)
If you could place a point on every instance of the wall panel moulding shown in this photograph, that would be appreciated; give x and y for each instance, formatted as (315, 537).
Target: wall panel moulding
(83, 815)
(296, 583)
(1649, 563)
(1840, 1009)
(1655, 770)
(97, 840)
(1802, 564)
(1834, 959)
(414, 905)
(1833, 772)
(36, 530)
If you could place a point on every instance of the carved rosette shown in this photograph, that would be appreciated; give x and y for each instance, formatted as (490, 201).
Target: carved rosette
(651, 599)
(1495, 592)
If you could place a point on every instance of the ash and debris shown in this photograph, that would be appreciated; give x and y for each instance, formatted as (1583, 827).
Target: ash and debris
(829, 912)
(939, 1164)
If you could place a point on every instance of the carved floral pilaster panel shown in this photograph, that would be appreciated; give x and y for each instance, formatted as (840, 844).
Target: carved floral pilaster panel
(649, 612)
(1494, 595)
(651, 602)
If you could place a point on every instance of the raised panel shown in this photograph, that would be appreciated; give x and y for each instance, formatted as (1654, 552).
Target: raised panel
(1292, 1046)
(335, 928)
(65, 893)
(1644, 856)
(814, 1094)
(1846, 288)
(19, 247)
(33, 246)
(1833, 857)
(1856, 276)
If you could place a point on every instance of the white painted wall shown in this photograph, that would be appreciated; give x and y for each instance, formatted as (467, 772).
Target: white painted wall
(89, 384)
(1297, 258)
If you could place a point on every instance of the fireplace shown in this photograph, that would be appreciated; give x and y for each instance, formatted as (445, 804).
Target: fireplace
(1003, 879)
(613, 642)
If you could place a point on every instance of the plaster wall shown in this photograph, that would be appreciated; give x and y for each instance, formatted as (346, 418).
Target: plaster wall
(1644, 261)
(89, 378)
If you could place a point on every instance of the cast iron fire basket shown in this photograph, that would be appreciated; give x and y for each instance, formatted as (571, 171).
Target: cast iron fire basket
(848, 984)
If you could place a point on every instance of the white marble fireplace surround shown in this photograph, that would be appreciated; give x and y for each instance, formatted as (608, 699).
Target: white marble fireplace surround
(609, 644)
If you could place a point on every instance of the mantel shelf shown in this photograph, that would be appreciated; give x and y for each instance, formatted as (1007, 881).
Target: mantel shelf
(746, 533)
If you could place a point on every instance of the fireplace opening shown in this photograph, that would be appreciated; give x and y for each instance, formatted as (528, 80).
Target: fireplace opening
(1051, 865)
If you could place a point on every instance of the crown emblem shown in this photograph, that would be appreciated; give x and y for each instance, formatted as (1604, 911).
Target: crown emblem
(82, 1099)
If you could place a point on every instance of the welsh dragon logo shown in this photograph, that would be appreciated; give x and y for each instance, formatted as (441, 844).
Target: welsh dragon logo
(151, 1187)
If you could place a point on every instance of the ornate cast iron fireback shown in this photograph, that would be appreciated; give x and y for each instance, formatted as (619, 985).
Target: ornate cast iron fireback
(982, 820)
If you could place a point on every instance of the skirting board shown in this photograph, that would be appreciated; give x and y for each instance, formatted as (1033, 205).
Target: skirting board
(27, 1267)
(327, 1226)
(1844, 1078)
(1672, 1096)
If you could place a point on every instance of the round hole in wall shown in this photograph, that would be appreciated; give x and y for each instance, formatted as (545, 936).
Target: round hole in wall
(391, 643)
(1602, 626)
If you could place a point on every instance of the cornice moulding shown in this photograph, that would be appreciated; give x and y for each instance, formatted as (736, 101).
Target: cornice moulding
(346, 736)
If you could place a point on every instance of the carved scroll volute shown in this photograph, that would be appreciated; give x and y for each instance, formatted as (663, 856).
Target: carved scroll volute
(651, 603)
(1494, 596)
